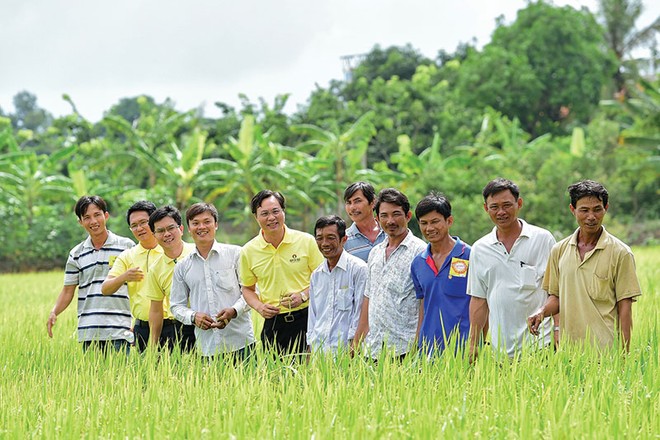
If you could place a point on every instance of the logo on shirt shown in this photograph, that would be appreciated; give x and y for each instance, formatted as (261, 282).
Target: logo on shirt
(294, 259)
(459, 267)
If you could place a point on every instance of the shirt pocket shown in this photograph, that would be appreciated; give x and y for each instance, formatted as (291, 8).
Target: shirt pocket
(225, 280)
(600, 287)
(345, 299)
(528, 277)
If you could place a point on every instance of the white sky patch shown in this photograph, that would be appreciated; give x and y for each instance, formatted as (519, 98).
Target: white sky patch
(200, 52)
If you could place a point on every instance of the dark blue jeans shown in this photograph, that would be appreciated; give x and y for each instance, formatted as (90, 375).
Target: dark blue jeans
(117, 345)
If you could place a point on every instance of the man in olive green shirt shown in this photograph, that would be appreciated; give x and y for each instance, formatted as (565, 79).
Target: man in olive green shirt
(590, 276)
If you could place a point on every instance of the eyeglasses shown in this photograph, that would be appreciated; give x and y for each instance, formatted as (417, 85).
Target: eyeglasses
(170, 228)
(139, 225)
(266, 214)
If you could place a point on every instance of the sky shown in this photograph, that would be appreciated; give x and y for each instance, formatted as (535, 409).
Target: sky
(202, 51)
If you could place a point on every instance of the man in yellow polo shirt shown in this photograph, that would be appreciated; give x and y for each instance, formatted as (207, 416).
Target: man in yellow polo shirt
(281, 261)
(590, 276)
(132, 265)
(165, 330)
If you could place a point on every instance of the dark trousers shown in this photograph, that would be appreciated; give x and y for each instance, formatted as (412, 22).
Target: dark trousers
(286, 333)
(173, 334)
(115, 345)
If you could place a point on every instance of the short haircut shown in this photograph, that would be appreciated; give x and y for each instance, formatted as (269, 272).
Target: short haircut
(161, 213)
(330, 220)
(498, 185)
(437, 202)
(258, 199)
(142, 205)
(83, 203)
(201, 208)
(366, 188)
(394, 196)
(587, 188)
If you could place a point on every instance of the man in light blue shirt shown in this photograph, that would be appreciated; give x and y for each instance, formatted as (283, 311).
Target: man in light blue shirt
(336, 289)
(365, 232)
(205, 290)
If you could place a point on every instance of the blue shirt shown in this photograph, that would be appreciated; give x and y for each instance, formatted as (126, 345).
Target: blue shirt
(358, 244)
(446, 303)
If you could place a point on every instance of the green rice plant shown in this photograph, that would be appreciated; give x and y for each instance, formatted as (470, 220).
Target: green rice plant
(51, 389)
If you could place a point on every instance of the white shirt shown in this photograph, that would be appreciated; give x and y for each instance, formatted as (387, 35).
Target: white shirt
(210, 285)
(511, 284)
(335, 299)
(393, 304)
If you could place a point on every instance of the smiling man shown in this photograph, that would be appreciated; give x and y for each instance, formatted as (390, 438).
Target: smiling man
(280, 260)
(590, 276)
(440, 278)
(336, 289)
(131, 267)
(164, 329)
(506, 270)
(206, 293)
(103, 321)
(390, 309)
(365, 232)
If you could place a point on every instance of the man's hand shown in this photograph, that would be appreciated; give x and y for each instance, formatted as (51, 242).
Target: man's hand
(534, 322)
(268, 311)
(134, 274)
(291, 300)
(204, 321)
(52, 318)
(224, 316)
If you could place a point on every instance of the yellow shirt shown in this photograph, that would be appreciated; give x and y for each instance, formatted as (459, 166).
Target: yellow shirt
(281, 270)
(159, 280)
(137, 256)
(588, 290)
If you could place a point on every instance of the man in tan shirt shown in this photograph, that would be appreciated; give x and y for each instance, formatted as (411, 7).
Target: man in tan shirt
(590, 276)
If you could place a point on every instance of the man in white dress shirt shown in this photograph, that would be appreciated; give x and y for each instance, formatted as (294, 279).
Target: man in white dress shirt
(336, 289)
(206, 293)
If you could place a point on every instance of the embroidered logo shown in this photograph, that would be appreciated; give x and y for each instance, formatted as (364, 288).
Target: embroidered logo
(294, 259)
(459, 267)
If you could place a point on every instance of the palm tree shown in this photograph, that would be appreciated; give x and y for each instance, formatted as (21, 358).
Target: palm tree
(618, 18)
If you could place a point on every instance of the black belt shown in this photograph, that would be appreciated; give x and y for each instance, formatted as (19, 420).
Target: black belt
(141, 323)
(290, 316)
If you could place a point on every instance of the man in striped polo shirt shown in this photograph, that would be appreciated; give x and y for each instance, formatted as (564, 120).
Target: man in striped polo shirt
(103, 321)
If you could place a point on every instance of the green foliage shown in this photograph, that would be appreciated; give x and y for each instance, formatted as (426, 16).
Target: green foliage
(546, 69)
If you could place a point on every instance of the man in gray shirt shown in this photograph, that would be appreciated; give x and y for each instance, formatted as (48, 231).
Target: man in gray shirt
(207, 279)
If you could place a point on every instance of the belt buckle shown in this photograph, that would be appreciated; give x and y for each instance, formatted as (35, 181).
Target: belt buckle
(288, 317)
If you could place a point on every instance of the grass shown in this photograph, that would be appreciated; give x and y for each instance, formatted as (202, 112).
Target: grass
(50, 389)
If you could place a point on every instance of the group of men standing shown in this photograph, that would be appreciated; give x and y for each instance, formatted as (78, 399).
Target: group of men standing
(372, 288)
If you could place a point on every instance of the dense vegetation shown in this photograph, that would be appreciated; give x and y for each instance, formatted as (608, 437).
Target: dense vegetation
(554, 97)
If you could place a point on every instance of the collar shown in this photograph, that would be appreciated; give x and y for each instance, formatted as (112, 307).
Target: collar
(602, 240)
(264, 244)
(457, 251)
(353, 229)
(187, 249)
(491, 238)
(87, 244)
(143, 250)
(342, 263)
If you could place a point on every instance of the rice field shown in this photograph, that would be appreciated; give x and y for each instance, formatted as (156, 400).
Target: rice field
(51, 389)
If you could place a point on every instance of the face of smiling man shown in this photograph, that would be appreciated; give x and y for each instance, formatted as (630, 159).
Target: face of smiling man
(329, 243)
(270, 215)
(358, 208)
(202, 228)
(168, 233)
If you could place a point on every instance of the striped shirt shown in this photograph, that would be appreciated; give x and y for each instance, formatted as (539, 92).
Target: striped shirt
(100, 317)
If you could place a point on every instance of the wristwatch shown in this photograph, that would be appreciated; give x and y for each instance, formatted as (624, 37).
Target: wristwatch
(303, 297)
(192, 318)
